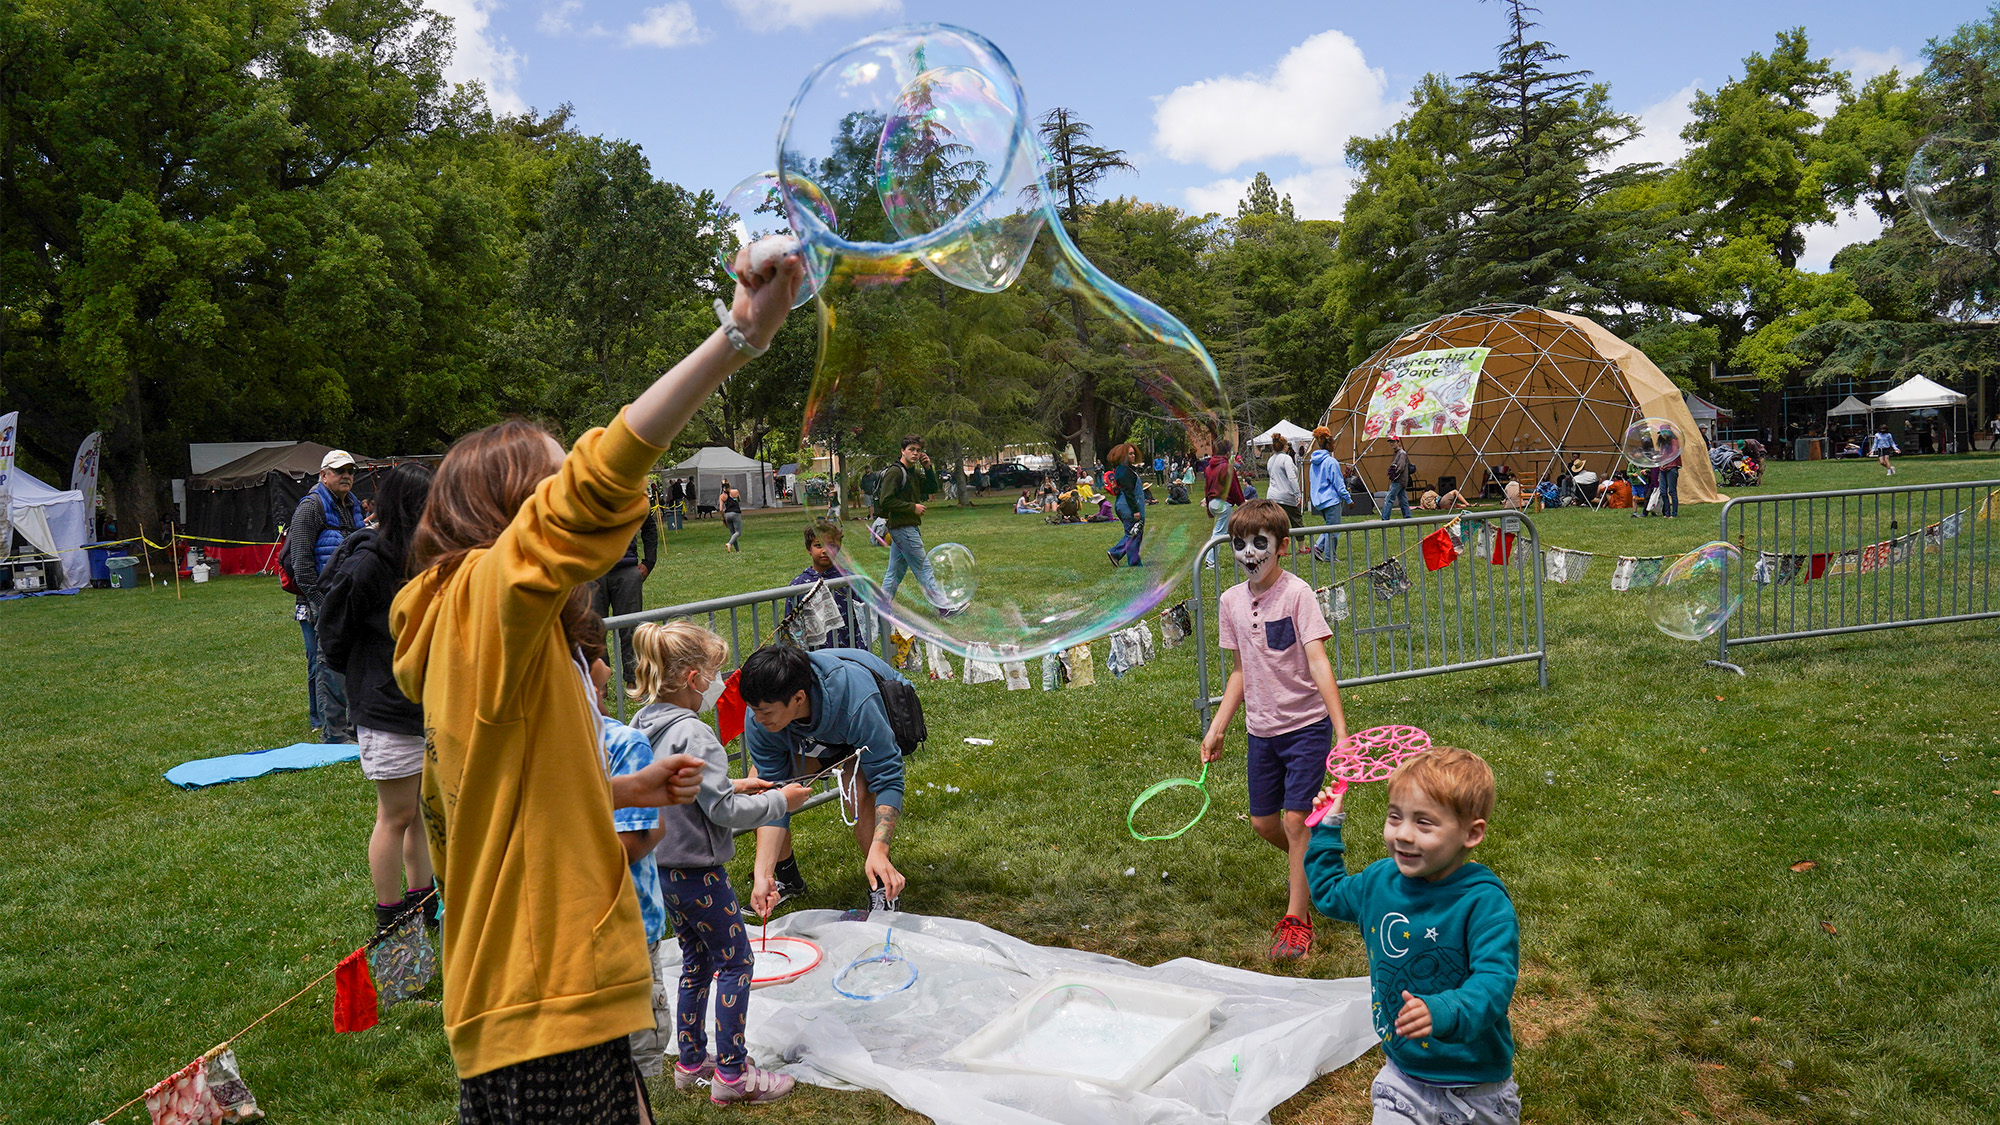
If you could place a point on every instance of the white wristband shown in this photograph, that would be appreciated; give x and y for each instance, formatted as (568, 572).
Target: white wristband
(736, 338)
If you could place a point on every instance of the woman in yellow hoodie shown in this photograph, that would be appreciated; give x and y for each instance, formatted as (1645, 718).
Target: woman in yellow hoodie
(545, 969)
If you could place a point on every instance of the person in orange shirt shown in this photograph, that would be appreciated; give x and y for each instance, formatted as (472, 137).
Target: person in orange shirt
(544, 954)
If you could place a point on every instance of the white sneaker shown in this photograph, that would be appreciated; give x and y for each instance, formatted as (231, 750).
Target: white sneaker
(755, 1087)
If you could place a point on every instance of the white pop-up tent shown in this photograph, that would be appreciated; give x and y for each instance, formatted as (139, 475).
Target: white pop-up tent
(1850, 407)
(1296, 436)
(54, 521)
(717, 463)
(1920, 393)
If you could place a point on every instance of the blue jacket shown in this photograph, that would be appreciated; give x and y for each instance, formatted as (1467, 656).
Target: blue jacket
(1454, 944)
(337, 529)
(1329, 484)
(847, 711)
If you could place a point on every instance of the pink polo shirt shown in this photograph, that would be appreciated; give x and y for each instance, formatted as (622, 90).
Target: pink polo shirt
(1269, 633)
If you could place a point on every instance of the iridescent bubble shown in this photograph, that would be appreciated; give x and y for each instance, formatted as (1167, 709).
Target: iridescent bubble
(957, 580)
(1066, 1003)
(756, 208)
(957, 307)
(1696, 594)
(1652, 442)
(1953, 181)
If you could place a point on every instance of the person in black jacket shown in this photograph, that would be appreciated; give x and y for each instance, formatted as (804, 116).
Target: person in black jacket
(623, 587)
(358, 584)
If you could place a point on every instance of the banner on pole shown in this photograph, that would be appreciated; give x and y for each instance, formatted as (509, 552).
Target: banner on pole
(1425, 394)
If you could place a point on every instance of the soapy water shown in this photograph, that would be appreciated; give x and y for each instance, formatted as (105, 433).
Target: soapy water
(957, 575)
(1089, 1040)
(1651, 443)
(1697, 593)
(1057, 1003)
(953, 294)
(755, 209)
(1953, 181)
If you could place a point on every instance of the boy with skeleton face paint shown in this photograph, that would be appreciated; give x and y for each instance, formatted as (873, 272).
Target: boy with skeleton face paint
(1280, 675)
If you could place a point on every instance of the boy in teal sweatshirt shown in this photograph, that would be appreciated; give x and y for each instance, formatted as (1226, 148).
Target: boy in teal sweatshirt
(1443, 944)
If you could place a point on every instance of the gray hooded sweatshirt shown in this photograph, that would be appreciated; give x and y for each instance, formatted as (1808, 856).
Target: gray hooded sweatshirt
(702, 834)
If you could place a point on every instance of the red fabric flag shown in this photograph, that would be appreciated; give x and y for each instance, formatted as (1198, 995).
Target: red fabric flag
(1439, 549)
(1503, 547)
(729, 710)
(354, 1007)
(1815, 568)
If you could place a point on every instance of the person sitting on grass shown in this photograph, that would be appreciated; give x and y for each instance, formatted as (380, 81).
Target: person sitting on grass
(1026, 505)
(822, 544)
(680, 674)
(1450, 501)
(1444, 945)
(1279, 674)
(808, 711)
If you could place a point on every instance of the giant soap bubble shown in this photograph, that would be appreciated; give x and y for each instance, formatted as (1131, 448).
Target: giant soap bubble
(755, 208)
(956, 306)
(1696, 594)
(1652, 442)
(1953, 181)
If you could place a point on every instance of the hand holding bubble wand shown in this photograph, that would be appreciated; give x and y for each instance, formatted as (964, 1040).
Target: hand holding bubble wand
(1369, 755)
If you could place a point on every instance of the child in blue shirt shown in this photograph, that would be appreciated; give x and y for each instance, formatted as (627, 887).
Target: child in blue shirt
(1443, 944)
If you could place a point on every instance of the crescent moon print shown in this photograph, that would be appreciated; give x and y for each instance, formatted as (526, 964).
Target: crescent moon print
(1387, 936)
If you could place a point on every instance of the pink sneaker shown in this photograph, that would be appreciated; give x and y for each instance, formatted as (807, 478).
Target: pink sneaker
(755, 1087)
(685, 1079)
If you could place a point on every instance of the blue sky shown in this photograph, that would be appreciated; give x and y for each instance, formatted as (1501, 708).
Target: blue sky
(1200, 97)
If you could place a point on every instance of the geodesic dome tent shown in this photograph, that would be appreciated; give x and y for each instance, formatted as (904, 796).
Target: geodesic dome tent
(1529, 388)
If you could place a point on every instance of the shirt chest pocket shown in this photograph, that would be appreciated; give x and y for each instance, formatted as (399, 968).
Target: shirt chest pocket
(1280, 634)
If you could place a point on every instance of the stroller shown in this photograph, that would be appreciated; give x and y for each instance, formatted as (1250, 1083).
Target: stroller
(1733, 470)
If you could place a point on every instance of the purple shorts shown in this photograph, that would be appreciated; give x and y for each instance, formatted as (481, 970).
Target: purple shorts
(1286, 770)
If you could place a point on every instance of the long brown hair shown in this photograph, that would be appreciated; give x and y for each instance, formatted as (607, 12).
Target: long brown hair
(480, 486)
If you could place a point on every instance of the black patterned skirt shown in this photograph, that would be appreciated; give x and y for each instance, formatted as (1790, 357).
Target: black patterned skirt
(594, 1086)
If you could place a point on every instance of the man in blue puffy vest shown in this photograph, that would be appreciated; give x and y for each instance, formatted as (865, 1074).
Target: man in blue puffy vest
(325, 517)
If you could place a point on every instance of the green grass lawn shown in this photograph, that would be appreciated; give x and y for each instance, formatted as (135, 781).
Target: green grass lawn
(1651, 813)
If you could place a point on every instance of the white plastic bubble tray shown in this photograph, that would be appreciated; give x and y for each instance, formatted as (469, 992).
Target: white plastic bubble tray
(1125, 1050)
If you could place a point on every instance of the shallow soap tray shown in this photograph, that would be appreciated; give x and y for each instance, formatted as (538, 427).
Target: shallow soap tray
(1194, 1008)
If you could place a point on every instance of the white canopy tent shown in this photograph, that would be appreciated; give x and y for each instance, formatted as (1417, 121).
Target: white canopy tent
(717, 463)
(1916, 394)
(55, 521)
(1850, 407)
(1295, 435)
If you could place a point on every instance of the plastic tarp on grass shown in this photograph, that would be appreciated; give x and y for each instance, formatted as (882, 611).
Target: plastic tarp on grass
(1268, 1039)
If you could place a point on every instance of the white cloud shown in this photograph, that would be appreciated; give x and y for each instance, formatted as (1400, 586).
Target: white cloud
(776, 15)
(1662, 122)
(1823, 242)
(1864, 64)
(478, 56)
(1321, 93)
(1317, 193)
(557, 21)
(669, 25)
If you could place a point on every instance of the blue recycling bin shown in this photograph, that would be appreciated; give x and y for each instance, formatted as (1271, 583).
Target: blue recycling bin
(100, 557)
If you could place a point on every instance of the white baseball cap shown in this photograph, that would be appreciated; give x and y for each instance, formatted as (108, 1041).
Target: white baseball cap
(336, 459)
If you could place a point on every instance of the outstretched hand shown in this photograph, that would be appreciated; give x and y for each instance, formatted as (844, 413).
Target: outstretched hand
(763, 299)
(672, 780)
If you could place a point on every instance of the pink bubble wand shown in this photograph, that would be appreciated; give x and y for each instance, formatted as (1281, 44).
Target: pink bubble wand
(1369, 755)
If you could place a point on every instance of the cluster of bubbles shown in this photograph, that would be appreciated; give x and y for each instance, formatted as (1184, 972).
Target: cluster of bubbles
(1953, 181)
(949, 288)
(1065, 1003)
(1651, 442)
(1697, 592)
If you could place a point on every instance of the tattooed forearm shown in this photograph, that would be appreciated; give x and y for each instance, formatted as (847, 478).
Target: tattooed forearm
(885, 823)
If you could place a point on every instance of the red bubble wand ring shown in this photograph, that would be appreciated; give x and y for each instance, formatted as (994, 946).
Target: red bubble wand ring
(1369, 755)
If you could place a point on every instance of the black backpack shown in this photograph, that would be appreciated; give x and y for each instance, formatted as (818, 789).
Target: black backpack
(905, 710)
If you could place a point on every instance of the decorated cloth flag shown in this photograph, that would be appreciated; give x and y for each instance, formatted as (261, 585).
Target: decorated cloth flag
(1333, 602)
(980, 667)
(1115, 658)
(1016, 671)
(908, 659)
(1389, 579)
(402, 961)
(1076, 661)
(940, 662)
(183, 1098)
(1052, 671)
(1439, 549)
(354, 1003)
(1635, 573)
(729, 710)
(1561, 565)
(1175, 625)
(225, 1083)
(1503, 548)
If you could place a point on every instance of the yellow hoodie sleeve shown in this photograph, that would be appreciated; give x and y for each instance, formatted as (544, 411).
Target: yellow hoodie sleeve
(570, 531)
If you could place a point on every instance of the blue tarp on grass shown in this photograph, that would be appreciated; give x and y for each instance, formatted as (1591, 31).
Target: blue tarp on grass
(237, 767)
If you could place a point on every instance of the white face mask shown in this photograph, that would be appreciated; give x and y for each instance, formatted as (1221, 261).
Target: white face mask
(713, 692)
(1254, 553)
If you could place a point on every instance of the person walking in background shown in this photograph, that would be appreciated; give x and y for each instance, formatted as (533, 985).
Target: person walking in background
(1326, 487)
(899, 501)
(676, 509)
(327, 514)
(623, 588)
(1670, 487)
(356, 642)
(1284, 474)
(1883, 445)
(731, 503)
(1130, 505)
(1399, 479)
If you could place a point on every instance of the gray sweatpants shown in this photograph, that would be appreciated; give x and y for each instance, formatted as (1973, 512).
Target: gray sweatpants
(1403, 1100)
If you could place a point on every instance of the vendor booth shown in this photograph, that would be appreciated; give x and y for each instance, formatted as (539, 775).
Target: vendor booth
(55, 522)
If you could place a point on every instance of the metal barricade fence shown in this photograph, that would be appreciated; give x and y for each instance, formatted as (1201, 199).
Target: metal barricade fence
(1822, 563)
(765, 610)
(1392, 618)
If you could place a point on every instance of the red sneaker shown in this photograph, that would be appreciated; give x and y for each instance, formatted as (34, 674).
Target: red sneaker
(1291, 938)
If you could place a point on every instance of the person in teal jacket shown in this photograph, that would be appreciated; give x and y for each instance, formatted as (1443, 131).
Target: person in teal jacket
(1444, 946)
